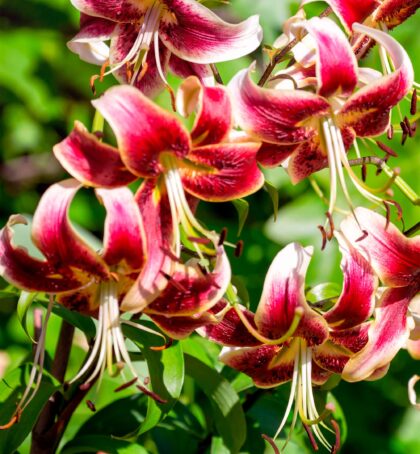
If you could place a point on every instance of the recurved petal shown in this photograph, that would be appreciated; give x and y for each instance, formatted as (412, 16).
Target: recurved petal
(182, 327)
(367, 111)
(155, 210)
(256, 362)
(357, 300)
(272, 155)
(222, 172)
(395, 12)
(28, 273)
(190, 291)
(413, 347)
(393, 256)
(55, 237)
(276, 116)
(230, 331)
(124, 236)
(90, 161)
(331, 357)
(283, 294)
(387, 335)
(194, 33)
(336, 66)
(353, 339)
(89, 42)
(115, 10)
(213, 110)
(143, 129)
(350, 11)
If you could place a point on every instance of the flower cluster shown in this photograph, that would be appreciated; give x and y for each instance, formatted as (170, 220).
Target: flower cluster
(159, 260)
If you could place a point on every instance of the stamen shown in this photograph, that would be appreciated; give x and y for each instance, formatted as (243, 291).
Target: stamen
(388, 150)
(324, 237)
(15, 419)
(408, 125)
(271, 442)
(337, 443)
(239, 248)
(152, 394)
(404, 136)
(126, 385)
(390, 132)
(364, 235)
(223, 236)
(173, 282)
(413, 106)
(331, 223)
(162, 347)
(364, 171)
(91, 405)
(198, 240)
(310, 436)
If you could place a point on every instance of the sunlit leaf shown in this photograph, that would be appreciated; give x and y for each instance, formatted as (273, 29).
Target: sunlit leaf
(274, 196)
(23, 305)
(242, 207)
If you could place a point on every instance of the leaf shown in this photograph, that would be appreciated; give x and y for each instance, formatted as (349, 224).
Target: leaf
(166, 370)
(274, 196)
(229, 417)
(95, 443)
(218, 447)
(324, 295)
(23, 305)
(11, 389)
(242, 207)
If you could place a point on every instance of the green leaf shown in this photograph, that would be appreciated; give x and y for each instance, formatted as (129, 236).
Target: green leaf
(11, 389)
(166, 370)
(274, 196)
(23, 305)
(95, 443)
(218, 447)
(242, 207)
(229, 417)
(324, 295)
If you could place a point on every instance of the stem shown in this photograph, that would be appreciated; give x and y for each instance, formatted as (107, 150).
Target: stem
(43, 439)
(98, 122)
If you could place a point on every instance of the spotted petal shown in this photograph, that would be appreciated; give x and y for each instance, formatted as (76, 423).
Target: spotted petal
(194, 33)
(357, 299)
(90, 161)
(276, 116)
(143, 129)
(331, 357)
(368, 110)
(115, 10)
(387, 335)
(222, 172)
(395, 12)
(394, 257)
(283, 294)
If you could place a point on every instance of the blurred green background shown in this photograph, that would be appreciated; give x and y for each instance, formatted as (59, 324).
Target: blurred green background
(44, 88)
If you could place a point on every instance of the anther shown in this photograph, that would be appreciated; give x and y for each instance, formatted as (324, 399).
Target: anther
(413, 106)
(337, 443)
(171, 255)
(404, 137)
(160, 348)
(12, 422)
(364, 235)
(413, 127)
(388, 150)
(176, 284)
(103, 70)
(364, 171)
(85, 386)
(332, 227)
(125, 385)
(324, 236)
(388, 214)
(194, 239)
(91, 405)
(398, 207)
(408, 124)
(151, 394)
(92, 83)
(390, 132)
(222, 237)
(310, 436)
(271, 442)
(239, 248)
(172, 95)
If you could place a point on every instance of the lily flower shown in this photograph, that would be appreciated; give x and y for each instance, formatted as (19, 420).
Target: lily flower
(154, 145)
(146, 35)
(289, 340)
(315, 130)
(396, 260)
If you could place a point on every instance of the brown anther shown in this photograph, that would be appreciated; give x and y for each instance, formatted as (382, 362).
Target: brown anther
(364, 171)
(143, 71)
(271, 442)
(146, 380)
(332, 227)
(196, 240)
(413, 106)
(363, 236)
(337, 443)
(98, 134)
(171, 255)
(310, 436)
(404, 126)
(125, 385)
(171, 281)
(404, 137)
(151, 394)
(103, 70)
(414, 127)
(386, 149)
(91, 405)
(390, 132)
(408, 124)
(172, 95)
(388, 214)
(324, 236)
(398, 207)
(92, 83)
(222, 237)
(160, 348)
(128, 70)
(239, 248)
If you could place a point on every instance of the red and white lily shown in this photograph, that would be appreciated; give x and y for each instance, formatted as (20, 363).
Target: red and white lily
(288, 340)
(313, 130)
(396, 260)
(147, 35)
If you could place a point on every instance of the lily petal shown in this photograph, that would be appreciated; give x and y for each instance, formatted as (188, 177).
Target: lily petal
(283, 294)
(394, 257)
(214, 112)
(395, 12)
(353, 339)
(184, 69)
(387, 335)
(90, 161)
(331, 357)
(124, 234)
(115, 10)
(271, 155)
(275, 116)
(196, 34)
(222, 172)
(368, 110)
(53, 234)
(143, 129)
(357, 299)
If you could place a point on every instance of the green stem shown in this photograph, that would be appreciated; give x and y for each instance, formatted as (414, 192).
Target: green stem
(402, 185)
(98, 122)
